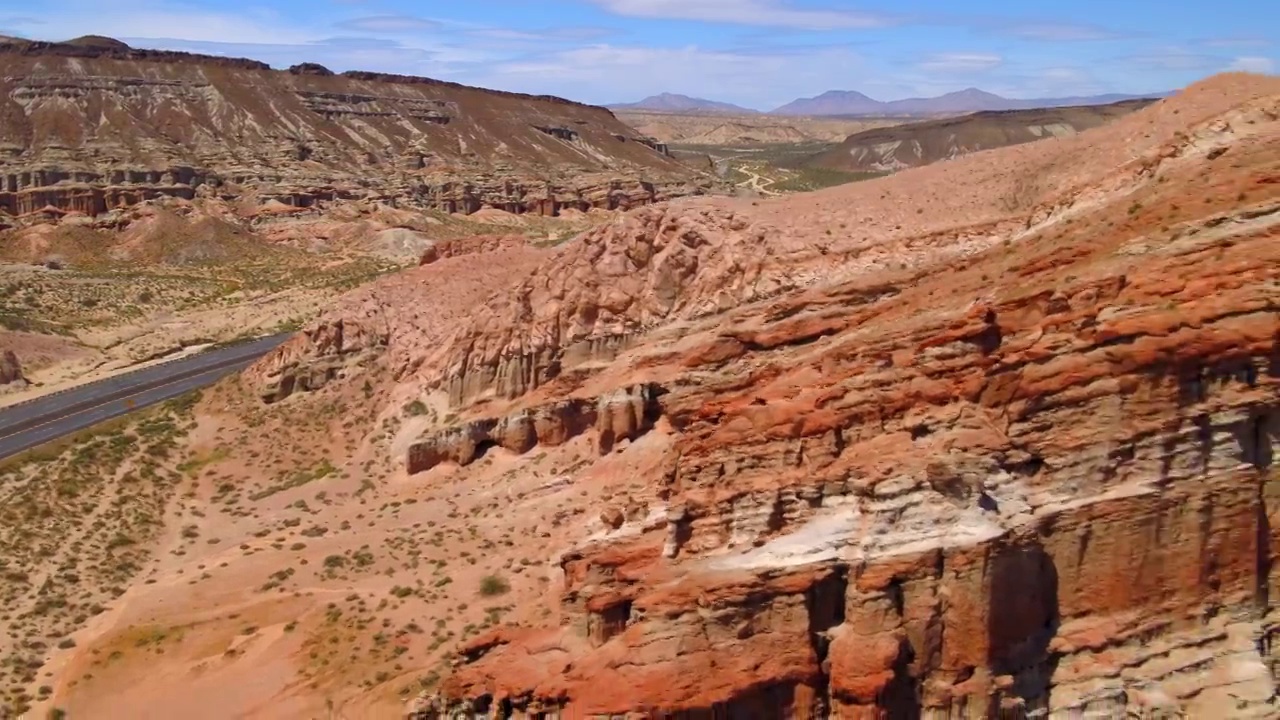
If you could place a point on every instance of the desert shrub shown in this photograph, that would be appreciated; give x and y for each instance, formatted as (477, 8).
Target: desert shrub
(491, 585)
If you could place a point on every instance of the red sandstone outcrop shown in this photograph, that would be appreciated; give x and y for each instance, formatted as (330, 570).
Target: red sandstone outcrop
(623, 414)
(321, 353)
(644, 269)
(384, 329)
(699, 257)
(1017, 462)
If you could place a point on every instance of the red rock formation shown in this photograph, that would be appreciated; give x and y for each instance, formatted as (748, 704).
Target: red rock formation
(644, 269)
(1033, 477)
(319, 354)
(382, 330)
(621, 415)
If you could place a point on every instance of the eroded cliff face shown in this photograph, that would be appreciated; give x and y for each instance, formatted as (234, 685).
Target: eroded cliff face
(625, 414)
(95, 129)
(328, 350)
(383, 330)
(645, 269)
(1035, 478)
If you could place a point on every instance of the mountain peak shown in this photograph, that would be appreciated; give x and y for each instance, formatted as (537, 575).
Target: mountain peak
(832, 102)
(845, 94)
(675, 102)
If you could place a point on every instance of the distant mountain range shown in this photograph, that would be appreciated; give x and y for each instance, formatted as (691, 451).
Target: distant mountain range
(670, 102)
(852, 102)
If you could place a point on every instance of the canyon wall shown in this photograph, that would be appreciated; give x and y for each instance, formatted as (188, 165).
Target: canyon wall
(91, 128)
(1035, 479)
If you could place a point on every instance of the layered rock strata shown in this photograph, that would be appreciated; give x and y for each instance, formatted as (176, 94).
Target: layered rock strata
(92, 128)
(311, 359)
(647, 268)
(1036, 481)
(624, 414)
(915, 144)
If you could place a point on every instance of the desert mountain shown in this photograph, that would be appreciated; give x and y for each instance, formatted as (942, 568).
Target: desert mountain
(833, 102)
(93, 125)
(914, 144)
(848, 102)
(989, 438)
(670, 102)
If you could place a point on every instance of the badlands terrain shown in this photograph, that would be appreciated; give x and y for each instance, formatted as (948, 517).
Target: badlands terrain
(153, 201)
(994, 435)
(990, 436)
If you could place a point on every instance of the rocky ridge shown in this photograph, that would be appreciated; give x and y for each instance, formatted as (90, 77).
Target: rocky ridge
(893, 149)
(1039, 482)
(995, 436)
(93, 127)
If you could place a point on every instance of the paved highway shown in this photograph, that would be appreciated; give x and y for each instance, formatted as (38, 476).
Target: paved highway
(38, 421)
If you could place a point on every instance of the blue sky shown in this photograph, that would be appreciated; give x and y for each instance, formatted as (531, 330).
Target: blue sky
(757, 53)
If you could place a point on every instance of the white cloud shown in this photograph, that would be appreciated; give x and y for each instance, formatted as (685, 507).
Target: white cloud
(442, 59)
(1059, 81)
(1237, 42)
(574, 62)
(389, 24)
(563, 34)
(768, 13)
(1253, 65)
(1174, 58)
(760, 79)
(431, 49)
(960, 62)
(1063, 74)
(1059, 32)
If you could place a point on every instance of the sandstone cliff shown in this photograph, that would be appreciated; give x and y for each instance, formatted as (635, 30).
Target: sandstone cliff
(90, 127)
(1015, 461)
